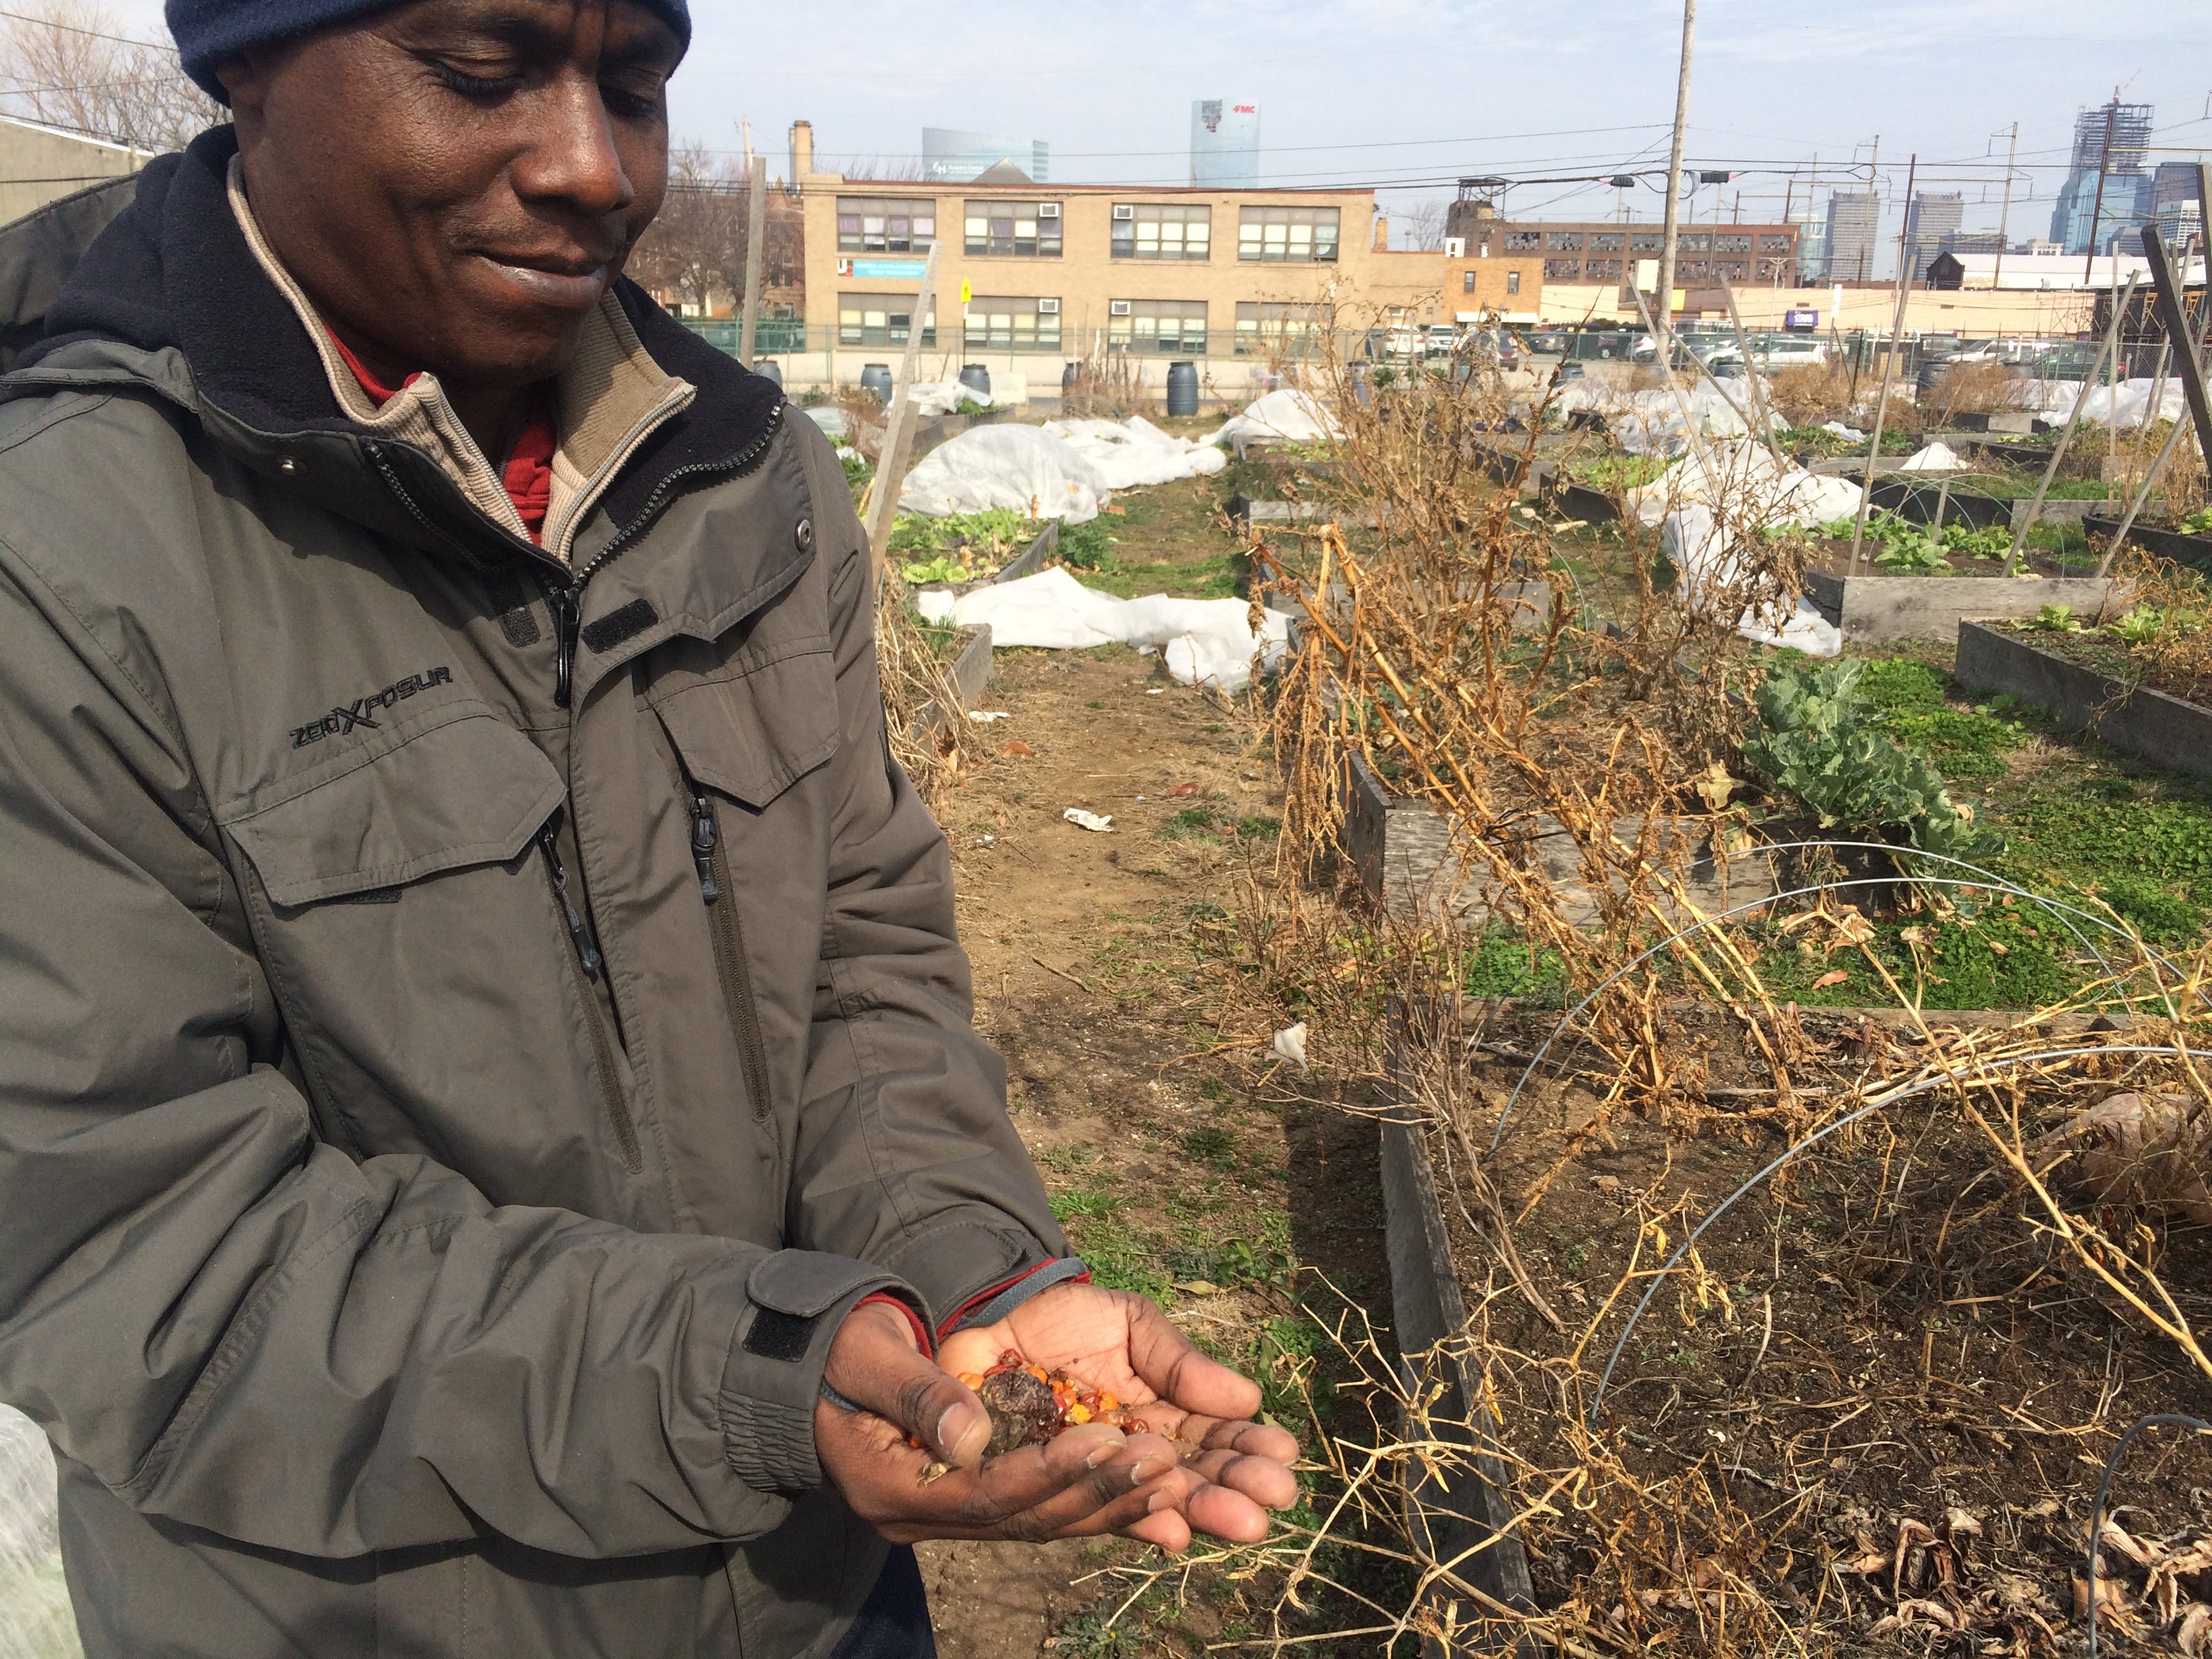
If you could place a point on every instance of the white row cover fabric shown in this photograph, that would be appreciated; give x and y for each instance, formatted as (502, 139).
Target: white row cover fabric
(1023, 468)
(1652, 423)
(1706, 504)
(35, 1622)
(1850, 435)
(935, 398)
(2054, 401)
(1938, 457)
(1204, 641)
(1286, 417)
(1131, 453)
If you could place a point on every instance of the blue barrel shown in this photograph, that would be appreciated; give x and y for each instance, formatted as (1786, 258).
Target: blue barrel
(768, 371)
(877, 377)
(977, 379)
(1183, 388)
(1071, 379)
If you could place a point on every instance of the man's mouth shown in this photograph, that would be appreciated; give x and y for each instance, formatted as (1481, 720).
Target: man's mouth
(554, 279)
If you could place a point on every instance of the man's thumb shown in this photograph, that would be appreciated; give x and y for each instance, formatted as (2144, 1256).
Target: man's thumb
(873, 1364)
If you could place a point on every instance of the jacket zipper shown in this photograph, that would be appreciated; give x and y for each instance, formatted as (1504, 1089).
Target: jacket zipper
(588, 962)
(728, 933)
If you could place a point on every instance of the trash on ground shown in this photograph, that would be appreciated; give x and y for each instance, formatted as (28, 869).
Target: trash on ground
(1018, 750)
(1083, 820)
(1291, 1044)
(985, 716)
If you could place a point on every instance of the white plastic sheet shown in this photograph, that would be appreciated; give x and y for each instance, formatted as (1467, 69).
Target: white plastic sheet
(1131, 453)
(1850, 435)
(1651, 423)
(35, 1622)
(1938, 457)
(1287, 416)
(1203, 641)
(935, 398)
(1728, 491)
(2130, 399)
(1023, 468)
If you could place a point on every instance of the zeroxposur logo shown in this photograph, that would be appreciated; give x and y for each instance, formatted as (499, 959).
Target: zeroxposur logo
(362, 712)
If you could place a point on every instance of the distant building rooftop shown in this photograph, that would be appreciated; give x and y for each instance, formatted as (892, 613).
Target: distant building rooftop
(2056, 272)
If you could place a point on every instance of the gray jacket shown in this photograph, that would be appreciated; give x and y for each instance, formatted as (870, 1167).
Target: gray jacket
(470, 1024)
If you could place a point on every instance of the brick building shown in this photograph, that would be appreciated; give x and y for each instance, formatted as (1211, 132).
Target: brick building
(1593, 252)
(1054, 272)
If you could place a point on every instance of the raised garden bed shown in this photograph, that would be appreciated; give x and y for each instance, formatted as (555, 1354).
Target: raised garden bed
(1979, 507)
(2195, 550)
(940, 428)
(1030, 560)
(970, 673)
(2152, 725)
(2013, 421)
(1258, 510)
(1877, 606)
(1402, 847)
(1582, 502)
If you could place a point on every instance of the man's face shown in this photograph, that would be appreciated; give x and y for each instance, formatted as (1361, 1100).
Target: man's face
(455, 182)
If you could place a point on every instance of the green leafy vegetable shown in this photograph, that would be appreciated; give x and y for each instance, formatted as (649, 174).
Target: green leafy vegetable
(1820, 744)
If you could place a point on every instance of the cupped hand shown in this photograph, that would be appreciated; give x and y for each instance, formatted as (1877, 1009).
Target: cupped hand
(1229, 1470)
(1087, 1482)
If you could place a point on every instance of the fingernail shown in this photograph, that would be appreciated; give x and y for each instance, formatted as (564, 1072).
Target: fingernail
(1099, 1453)
(1158, 1501)
(948, 1426)
(1150, 1469)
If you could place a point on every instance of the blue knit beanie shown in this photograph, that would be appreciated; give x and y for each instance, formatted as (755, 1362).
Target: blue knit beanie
(213, 31)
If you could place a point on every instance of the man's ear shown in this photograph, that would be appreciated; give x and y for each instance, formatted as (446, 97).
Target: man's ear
(245, 80)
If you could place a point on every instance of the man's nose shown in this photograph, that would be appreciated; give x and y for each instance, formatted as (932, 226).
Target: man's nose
(573, 159)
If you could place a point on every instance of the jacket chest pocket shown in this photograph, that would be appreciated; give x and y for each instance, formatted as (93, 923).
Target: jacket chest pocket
(743, 742)
(408, 915)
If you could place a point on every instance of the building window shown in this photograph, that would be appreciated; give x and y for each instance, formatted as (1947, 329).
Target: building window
(1027, 229)
(1606, 241)
(1774, 243)
(1563, 241)
(1171, 326)
(1148, 230)
(1692, 244)
(1012, 325)
(1264, 325)
(1297, 234)
(880, 319)
(1690, 268)
(1524, 241)
(1467, 282)
(1731, 244)
(1736, 271)
(1512, 282)
(1773, 268)
(1563, 271)
(1647, 241)
(1600, 270)
(867, 224)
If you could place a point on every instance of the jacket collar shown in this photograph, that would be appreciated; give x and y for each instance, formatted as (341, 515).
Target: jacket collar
(175, 274)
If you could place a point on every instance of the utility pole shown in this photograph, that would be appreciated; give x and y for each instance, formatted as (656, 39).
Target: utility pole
(2097, 212)
(2004, 215)
(1664, 306)
(755, 233)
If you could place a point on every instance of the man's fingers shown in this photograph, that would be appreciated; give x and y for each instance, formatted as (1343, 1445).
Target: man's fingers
(873, 1363)
(1226, 1514)
(1262, 1480)
(1252, 1439)
(1179, 1374)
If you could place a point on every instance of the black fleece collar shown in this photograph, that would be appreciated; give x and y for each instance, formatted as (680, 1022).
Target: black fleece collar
(174, 270)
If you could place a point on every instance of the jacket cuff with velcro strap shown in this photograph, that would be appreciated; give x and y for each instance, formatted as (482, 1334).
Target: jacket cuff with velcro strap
(951, 1264)
(773, 1375)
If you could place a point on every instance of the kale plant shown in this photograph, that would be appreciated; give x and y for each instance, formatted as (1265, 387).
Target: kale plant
(1820, 742)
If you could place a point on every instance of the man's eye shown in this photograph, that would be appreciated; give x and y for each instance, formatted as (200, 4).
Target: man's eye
(630, 104)
(473, 86)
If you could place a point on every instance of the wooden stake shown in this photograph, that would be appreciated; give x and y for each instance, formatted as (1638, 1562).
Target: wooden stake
(2174, 312)
(898, 422)
(1758, 393)
(756, 229)
(1889, 365)
(1665, 335)
(2065, 442)
(2187, 348)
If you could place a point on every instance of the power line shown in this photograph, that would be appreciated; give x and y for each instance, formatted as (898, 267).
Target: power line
(95, 34)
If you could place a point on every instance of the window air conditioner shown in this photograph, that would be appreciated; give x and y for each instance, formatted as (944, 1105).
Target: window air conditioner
(1117, 308)
(1048, 209)
(1124, 210)
(1047, 308)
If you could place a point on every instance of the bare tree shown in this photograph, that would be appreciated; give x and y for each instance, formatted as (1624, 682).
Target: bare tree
(1422, 225)
(67, 63)
(695, 250)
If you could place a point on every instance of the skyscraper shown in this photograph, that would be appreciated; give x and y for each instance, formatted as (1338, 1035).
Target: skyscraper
(2174, 201)
(1225, 143)
(2102, 198)
(956, 158)
(1933, 216)
(1854, 231)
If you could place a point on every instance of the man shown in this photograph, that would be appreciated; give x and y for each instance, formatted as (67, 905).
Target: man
(493, 1156)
